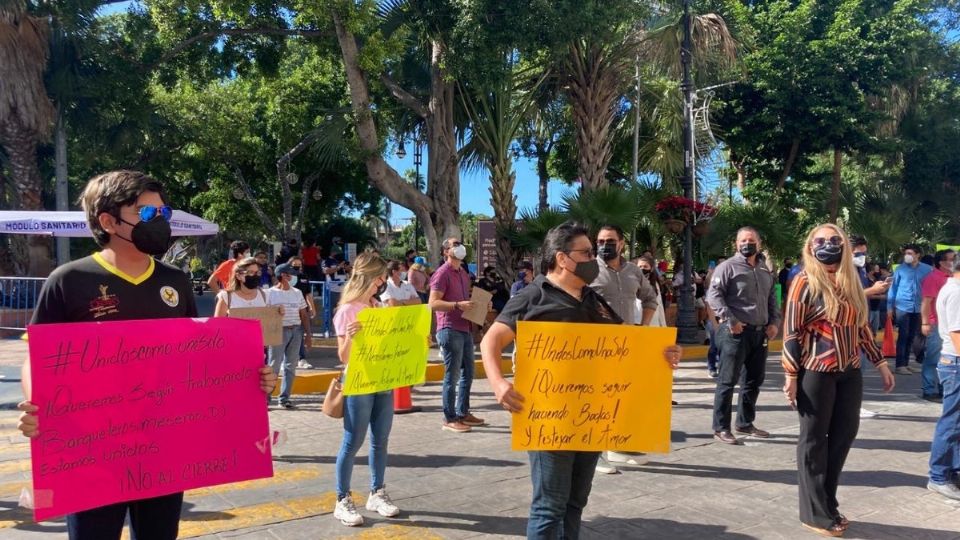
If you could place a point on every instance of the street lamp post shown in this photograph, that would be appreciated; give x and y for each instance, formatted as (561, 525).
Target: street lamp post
(687, 329)
(417, 160)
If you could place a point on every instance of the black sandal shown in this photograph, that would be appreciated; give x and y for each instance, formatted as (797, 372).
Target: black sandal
(834, 531)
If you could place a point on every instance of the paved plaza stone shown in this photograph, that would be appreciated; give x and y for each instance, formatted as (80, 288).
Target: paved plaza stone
(473, 486)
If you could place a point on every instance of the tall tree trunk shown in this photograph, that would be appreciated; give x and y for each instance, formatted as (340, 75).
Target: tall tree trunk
(544, 176)
(788, 166)
(593, 89)
(438, 210)
(835, 190)
(31, 254)
(504, 204)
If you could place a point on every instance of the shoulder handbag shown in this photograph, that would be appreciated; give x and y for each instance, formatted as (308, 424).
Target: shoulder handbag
(333, 399)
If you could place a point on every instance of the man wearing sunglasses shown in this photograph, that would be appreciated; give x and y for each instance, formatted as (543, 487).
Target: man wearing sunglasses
(744, 299)
(129, 219)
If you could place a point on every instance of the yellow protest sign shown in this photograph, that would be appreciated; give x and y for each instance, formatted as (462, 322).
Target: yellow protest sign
(592, 387)
(390, 350)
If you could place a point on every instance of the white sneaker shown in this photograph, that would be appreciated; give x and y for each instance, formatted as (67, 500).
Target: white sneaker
(634, 459)
(915, 368)
(380, 502)
(303, 364)
(604, 466)
(866, 413)
(347, 513)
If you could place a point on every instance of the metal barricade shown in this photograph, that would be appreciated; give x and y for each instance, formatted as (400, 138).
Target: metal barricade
(329, 293)
(18, 298)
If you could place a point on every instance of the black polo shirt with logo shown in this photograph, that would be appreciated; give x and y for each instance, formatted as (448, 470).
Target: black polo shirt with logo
(544, 301)
(91, 290)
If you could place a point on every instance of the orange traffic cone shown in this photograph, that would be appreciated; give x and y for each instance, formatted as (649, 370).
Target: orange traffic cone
(889, 346)
(402, 402)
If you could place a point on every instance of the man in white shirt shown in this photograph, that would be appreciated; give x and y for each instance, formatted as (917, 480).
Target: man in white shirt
(398, 293)
(296, 328)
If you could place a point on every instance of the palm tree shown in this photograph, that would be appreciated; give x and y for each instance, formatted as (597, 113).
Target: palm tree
(26, 116)
(497, 113)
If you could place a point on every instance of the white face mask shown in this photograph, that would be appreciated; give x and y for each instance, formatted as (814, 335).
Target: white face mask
(859, 260)
(459, 252)
(908, 259)
(293, 281)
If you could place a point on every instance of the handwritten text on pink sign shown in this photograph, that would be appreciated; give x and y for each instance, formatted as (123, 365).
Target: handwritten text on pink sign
(137, 409)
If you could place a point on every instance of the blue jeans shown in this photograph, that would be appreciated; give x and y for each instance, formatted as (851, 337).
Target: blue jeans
(908, 327)
(875, 321)
(376, 411)
(929, 384)
(150, 519)
(945, 450)
(713, 353)
(287, 353)
(561, 487)
(457, 350)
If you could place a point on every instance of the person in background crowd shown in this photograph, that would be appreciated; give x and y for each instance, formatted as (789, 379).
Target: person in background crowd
(826, 329)
(360, 412)
(944, 476)
(288, 250)
(873, 290)
(129, 218)
(561, 479)
(903, 304)
(874, 276)
(417, 276)
(311, 260)
(782, 278)
(647, 267)
(296, 328)
(398, 292)
(303, 285)
(524, 278)
(493, 283)
(930, 387)
(410, 257)
(266, 278)
(224, 272)
(742, 295)
(449, 298)
(713, 353)
(243, 290)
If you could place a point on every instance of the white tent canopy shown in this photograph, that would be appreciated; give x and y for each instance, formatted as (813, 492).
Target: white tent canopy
(74, 224)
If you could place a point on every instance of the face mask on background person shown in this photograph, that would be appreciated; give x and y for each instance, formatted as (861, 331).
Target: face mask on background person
(908, 259)
(293, 280)
(859, 260)
(251, 282)
(588, 270)
(459, 252)
(748, 250)
(608, 251)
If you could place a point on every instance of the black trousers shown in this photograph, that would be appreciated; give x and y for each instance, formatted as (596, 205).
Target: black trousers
(829, 407)
(744, 351)
(150, 519)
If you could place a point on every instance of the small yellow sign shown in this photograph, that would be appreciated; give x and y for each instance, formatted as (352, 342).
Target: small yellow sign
(592, 387)
(389, 351)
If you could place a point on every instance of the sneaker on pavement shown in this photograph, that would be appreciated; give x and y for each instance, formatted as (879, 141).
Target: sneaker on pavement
(903, 370)
(456, 427)
(288, 405)
(347, 513)
(303, 364)
(866, 413)
(604, 466)
(472, 421)
(634, 458)
(712, 373)
(380, 502)
(948, 490)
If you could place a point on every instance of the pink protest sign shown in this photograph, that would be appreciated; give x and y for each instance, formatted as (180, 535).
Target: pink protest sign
(138, 409)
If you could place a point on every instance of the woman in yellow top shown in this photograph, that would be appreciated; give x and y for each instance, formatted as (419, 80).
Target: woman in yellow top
(826, 328)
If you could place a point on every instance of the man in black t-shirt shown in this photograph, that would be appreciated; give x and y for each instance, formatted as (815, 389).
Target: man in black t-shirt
(129, 219)
(563, 295)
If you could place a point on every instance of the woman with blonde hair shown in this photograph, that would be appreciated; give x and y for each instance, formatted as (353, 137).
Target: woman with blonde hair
(375, 411)
(242, 290)
(826, 328)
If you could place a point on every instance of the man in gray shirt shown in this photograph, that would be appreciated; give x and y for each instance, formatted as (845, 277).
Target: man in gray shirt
(620, 283)
(742, 295)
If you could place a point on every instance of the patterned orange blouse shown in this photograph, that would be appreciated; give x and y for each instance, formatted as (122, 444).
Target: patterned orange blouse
(814, 343)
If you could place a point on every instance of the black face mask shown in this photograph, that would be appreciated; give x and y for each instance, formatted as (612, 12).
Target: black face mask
(251, 282)
(587, 270)
(608, 252)
(646, 272)
(748, 250)
(150, 237)
(381, 289)
(828, 253)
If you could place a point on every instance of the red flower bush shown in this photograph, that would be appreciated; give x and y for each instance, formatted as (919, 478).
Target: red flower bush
(684, 209)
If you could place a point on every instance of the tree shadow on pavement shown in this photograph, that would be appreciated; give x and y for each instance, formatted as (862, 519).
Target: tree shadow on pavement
(922, 447)
(880, 531)
(877, 479)
(605, 527)
(12, 511)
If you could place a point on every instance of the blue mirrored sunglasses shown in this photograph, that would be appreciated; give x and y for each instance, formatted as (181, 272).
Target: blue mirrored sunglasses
(147, 213)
